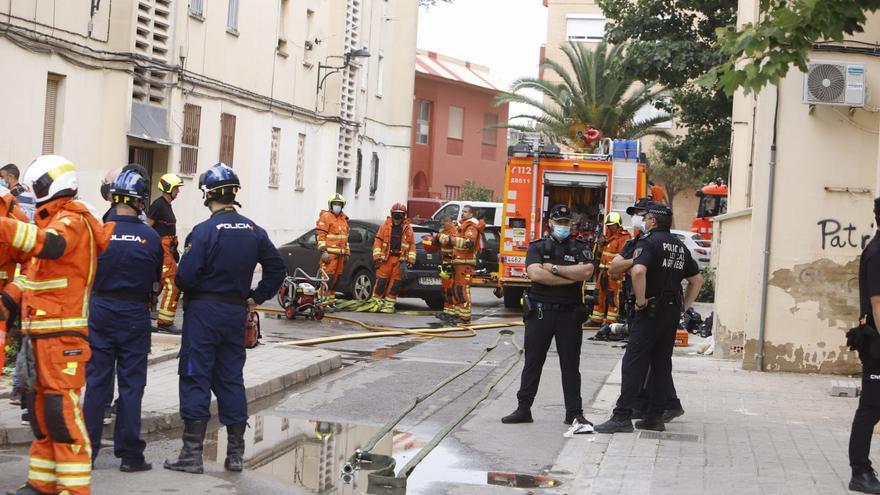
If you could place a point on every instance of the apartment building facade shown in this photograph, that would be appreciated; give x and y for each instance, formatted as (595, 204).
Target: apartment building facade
(180, 85)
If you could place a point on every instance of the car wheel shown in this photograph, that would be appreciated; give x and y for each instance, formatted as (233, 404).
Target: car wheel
(512, 297)
(362, 286)
(434, 302)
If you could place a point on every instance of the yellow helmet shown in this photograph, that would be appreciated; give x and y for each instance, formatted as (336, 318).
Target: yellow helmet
(336, 198)
(168, 182)
(613, 218)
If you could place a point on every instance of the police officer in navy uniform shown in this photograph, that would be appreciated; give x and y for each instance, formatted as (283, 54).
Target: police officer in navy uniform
(119, 322)
(215, 276)
(866, 341)
(557, 264)
(622, 264)
(660, 263)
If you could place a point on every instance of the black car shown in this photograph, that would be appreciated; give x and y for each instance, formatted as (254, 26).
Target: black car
(421, 281)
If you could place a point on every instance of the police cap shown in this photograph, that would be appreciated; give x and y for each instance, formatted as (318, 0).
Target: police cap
(560, 212)
(641, 205)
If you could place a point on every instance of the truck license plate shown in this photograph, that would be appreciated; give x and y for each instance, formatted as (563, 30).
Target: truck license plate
(429, 281)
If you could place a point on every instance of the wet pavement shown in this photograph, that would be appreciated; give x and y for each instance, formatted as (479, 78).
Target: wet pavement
(299, 443)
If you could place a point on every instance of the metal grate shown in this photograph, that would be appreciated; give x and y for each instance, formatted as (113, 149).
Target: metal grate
(672, 437)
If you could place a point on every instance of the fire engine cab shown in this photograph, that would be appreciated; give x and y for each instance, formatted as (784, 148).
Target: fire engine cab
(539, 176)
(713, 202)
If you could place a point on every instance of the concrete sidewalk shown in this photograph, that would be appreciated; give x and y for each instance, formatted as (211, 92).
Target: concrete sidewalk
(269, 370)
(743, 432)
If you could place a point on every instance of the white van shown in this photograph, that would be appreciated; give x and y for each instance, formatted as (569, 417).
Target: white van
(483, 210)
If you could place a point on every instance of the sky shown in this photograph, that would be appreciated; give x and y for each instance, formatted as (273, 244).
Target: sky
(504, 35)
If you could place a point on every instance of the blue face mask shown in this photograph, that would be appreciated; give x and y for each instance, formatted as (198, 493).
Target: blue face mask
(337, 209)
(4, 184)
(561, 232)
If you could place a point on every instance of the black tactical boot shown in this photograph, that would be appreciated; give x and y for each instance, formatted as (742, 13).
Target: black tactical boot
(654, 423)
(570, 418)
(865, 483)
(190, 458)
(670, 414)
(521, 415)
(617, 424)
(235, 447)
(134, 466)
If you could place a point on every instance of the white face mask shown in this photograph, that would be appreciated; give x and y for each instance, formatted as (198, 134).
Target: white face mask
(638, 222)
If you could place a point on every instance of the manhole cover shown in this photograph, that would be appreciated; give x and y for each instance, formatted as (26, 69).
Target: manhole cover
(665, 435)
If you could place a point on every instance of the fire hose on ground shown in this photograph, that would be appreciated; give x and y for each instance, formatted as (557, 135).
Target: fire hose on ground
(376, 331)
(383, 466)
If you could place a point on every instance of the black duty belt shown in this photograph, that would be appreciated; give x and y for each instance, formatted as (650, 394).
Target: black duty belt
(122, 295)
(554, 306)
(215, 296)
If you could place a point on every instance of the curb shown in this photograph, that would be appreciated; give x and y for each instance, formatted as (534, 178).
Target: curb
(168, 420)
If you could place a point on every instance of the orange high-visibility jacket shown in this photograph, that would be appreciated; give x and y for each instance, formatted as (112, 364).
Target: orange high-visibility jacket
(613, 245)
(54, 286)
(9, 208)
(442, 242)
(382, 244)
(466, 242)
(333, 232)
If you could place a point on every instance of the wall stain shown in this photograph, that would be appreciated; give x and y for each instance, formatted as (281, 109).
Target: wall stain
(728, 343)
(786, 357)
(835, 287)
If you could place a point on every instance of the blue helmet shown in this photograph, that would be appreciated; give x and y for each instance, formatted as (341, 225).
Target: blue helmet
(219, 180)
(129, 184)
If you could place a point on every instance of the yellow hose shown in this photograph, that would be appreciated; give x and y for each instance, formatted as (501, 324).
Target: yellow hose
(376, 331)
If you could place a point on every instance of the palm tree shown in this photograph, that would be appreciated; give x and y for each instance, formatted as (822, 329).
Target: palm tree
(595, 93)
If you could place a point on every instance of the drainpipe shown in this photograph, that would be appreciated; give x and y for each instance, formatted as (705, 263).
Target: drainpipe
(768, 229)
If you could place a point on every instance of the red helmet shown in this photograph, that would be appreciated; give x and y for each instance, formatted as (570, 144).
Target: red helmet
(398, 207)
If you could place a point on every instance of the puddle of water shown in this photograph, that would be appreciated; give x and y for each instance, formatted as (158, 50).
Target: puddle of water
(310, 454)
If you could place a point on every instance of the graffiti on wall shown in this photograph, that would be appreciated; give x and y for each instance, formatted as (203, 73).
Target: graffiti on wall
(836, 234)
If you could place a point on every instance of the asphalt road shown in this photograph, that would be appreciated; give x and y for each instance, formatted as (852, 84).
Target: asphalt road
(299, 443)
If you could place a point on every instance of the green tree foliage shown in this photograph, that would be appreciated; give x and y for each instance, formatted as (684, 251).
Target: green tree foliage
(675, 178)
(761, 53)
(471, 191)
(674, 42)
(596, 92)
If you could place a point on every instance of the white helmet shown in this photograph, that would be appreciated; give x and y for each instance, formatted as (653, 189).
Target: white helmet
(50, 177)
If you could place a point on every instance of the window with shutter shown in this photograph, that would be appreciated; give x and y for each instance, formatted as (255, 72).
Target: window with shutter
(152, 41)
(273, 157)
(50, 114)
(232, 16)
(374, 176)
(227, 138)
(299, 183)
(197, 7)
(189, 153)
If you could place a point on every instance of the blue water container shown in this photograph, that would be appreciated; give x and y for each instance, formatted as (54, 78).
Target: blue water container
(626, 149)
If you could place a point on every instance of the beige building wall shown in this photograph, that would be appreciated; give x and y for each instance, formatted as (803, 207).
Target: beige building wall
(265, 72)
(826, 170)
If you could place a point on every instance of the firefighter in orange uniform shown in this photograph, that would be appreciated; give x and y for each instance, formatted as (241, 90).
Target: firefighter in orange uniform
(394, 245)
(161, 217)
(333, 245)
(52, 297)
(8, 208)
(608, 287)
(465, 245)
(442, 242)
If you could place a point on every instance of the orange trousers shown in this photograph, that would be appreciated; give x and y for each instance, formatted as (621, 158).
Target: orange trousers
(333, 268)
(61, 455)
(170, 292)
(462, 291)
(388, 279)
(607, 306)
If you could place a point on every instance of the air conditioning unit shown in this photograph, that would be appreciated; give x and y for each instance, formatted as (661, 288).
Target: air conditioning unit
(835, 83)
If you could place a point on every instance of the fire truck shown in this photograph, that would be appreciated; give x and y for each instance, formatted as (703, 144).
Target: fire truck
(539, 176)
(713, 202)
